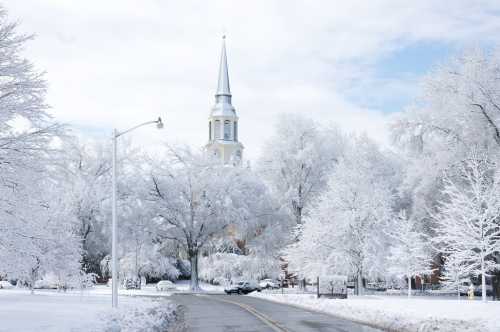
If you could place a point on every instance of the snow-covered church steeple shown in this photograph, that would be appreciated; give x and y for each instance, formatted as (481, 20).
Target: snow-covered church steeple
(223, 121)
(223, 89)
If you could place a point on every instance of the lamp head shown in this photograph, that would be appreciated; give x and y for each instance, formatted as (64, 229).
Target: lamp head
(159, 123)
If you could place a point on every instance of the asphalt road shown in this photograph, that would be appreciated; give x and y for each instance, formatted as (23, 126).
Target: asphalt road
(236, 313)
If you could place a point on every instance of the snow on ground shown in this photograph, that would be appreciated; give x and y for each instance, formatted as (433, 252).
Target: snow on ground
(88, 310)
(77, 311)
(402, 314)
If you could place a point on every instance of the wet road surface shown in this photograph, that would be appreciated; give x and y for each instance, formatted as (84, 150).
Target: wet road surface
(233, 313)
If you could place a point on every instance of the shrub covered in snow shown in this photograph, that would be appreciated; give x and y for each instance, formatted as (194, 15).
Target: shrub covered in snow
(142, 316)
(220, 268)
(149, 264)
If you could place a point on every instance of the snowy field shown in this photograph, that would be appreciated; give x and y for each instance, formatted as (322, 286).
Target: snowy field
(77, 311)
(402, 314)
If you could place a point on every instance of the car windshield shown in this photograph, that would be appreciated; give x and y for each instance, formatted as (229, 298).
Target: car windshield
(241, 283)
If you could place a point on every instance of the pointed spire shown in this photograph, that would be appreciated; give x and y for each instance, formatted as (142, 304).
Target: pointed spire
(223, 84)
(223, 106)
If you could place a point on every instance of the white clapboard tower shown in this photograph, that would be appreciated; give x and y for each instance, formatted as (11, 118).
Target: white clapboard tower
(223, 121)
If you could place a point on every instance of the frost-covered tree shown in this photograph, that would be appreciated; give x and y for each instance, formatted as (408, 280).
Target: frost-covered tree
(222, 268)
(457, 109)
(142, 255)
(36, 229)
(458, 106)
(26, 130)
(42, 238)
(345, 232)
(197, 199)
(410, 252)
(83, 170)
(296, 161)
(267, 244)
(468, 216)
(148, 262)
(457, 271)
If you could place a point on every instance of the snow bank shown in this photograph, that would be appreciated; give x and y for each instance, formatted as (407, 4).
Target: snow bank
(402, 314)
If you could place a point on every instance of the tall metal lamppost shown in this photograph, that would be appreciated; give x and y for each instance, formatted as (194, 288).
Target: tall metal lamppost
(114, 263)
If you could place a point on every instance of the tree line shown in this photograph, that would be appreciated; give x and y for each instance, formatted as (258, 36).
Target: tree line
(325, 201)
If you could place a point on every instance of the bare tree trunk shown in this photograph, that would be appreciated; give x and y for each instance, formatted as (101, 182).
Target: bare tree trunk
(359, 284)
(483, 280)
(136, 262)
(34, 275)
(137, 282)
(496, 286)
(193, 258)
(298, 215)
(409, 285)
(297, 212)
(32, 281)
(297, 206)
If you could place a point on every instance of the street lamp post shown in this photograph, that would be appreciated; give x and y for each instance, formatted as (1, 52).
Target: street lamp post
(114, 258)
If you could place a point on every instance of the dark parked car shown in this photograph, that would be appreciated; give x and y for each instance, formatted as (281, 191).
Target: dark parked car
(242, 287)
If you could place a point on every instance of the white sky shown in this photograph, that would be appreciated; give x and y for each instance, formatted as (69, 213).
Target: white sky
(117, 63)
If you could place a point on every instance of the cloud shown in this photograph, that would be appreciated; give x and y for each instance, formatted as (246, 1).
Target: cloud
(116, 63)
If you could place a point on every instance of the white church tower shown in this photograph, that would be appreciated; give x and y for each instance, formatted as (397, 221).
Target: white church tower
(223, 121)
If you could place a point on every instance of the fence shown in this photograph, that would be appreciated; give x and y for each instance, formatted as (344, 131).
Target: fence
(338, 287)
(329, 287)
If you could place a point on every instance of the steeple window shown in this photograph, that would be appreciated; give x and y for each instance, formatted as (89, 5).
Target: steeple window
(217, 129)
(227, 130)
(235, 125)
(209, 130)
